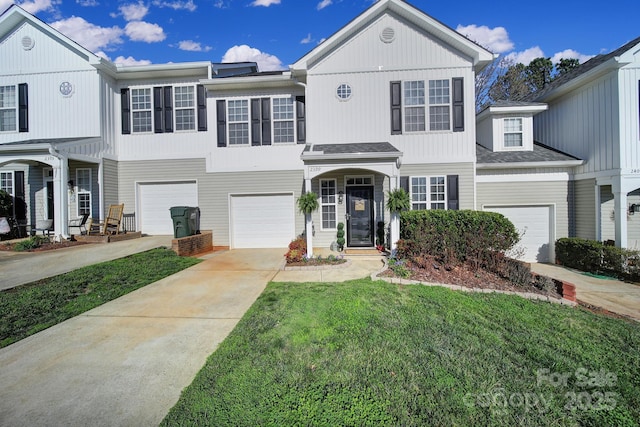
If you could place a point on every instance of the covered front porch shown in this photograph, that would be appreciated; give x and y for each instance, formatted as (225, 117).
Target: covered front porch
(48, 185)
(351, 181)
(618, 208)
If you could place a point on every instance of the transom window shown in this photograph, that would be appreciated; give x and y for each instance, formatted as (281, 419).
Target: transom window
(6, 182)
(8, 109)
(513, 132)
(185, 108)
(439, 105)
(238, 122)
(328, 203)
(141, 110)
(359, 180)
(283, 115)
(83, 183)
(428, 192)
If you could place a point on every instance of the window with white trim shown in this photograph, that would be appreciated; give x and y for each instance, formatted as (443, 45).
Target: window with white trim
(283, 125)
(184, 101)
(513, 132)
(414, 103)
(328, 203)
(428, 192)
(83, 196)
(8, 109)
(439, 105)
(238, 110)
(6, 182)
(141, 110)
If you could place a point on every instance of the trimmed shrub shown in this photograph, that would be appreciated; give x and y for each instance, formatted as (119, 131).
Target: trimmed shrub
(31, 243)
(596, 257)
(297, 250)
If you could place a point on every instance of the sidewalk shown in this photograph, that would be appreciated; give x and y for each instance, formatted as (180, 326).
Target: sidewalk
(613, 295)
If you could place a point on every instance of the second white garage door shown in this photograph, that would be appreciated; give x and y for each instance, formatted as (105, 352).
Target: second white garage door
(156, 198)
(262, 220)
(536, 224)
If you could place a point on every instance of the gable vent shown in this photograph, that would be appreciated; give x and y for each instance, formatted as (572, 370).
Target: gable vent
(27, 43)
(388, 35)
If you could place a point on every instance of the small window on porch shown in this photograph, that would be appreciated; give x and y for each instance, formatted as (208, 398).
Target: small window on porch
(328, 203)
(359, 180)
(6, 182)
(83, 183)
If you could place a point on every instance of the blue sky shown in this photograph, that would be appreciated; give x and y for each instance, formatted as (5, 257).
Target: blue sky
(275, 33)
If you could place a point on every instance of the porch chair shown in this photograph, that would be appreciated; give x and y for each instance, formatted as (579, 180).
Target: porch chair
(44, 225)
(111, 224)
(80, 223)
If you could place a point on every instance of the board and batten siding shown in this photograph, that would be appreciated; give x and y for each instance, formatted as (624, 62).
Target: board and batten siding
(213, 189)
(630, 116)
(585, 124)
(585, 208)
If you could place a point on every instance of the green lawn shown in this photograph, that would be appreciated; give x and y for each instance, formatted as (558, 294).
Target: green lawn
(371, 353)
(31, 308)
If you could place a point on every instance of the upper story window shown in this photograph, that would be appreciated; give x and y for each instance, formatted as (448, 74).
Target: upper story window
(513, 132)
(260, 121)
(428, 192)
(164, 109)
(8, 109)
(343, 92)
(434, 105)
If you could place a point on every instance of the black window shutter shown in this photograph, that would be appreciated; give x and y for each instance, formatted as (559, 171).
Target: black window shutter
(396, 108)
(202, 108)
(452, 193)
(221, 107)
(404, 183)
(125, 108)
(301, 125)
(168, 109)
(23, 108)
(158, 110)
(19, 205)
(458, 104)
(256, 132)
(266, 121)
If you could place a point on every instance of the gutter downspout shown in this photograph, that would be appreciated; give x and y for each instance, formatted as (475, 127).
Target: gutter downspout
(61, 202)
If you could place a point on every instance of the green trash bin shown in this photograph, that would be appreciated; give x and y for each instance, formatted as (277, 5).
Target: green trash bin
(181, 226)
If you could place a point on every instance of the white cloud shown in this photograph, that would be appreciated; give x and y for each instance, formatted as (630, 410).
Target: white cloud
(219, 4)
(31, 6)
(131, 61)
(570, 54)
(134, 11)
(191, 46)
(89, 35)
(306, 40)
(526, 56)
(494, 39)
(244, 53)
(177, 5)
(88, 3)
(144, 32)
(323, 4)
(265, 3)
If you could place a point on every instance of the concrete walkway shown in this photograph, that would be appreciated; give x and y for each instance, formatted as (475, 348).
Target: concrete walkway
(613, 295)
(18, 268)
(126, 362)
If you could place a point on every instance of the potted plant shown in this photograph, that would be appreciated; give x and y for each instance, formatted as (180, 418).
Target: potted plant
(398, 200)
(340, 236)
(307, 204)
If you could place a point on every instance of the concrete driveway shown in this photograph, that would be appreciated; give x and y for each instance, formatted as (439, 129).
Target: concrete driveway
(126, 362)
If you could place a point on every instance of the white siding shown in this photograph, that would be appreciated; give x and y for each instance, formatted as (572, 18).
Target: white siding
(585, 212)
(630, 117)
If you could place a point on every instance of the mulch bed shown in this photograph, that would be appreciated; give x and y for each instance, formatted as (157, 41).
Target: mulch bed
(44, 246)
(464, 275)
(317, 262)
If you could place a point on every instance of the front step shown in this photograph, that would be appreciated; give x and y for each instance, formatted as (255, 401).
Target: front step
(361, 251)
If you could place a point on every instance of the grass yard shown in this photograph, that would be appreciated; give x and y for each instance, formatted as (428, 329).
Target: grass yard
(371, 353)
(31, 308)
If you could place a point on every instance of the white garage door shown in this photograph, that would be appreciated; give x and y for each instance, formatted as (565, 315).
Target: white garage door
(155, 199)
(262, 221)
(535, 222)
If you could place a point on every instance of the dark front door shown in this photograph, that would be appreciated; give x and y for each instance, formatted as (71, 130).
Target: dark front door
(360, 216)
(49, 199)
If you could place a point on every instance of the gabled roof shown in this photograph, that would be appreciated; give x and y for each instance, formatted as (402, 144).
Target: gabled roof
(480, 56)
(506, 107)
(541, 156)
(590, 70)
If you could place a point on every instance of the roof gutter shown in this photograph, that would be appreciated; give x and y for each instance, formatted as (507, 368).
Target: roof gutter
(530, 165)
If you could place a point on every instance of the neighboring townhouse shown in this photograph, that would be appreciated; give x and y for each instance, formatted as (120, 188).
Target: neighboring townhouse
(594, 114)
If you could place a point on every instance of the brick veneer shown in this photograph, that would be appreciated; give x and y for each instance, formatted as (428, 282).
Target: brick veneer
(193, 245)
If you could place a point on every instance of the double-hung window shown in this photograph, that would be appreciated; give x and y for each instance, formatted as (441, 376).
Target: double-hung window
(238, 121)
(428, 192)
(513, 132)
(439, 105)
(283, 120)
(83, 183)
(8, 109)
(414, 103)
(141, 110)
(7, 182)
(185, 108)
(328, 203)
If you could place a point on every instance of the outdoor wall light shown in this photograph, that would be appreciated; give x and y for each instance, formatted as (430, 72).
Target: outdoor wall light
(633, 209)
(340, 197)
(70, 184)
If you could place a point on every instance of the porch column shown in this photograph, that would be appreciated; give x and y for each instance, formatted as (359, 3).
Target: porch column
(308, 230)
(620, 212)
(61, 199)
(394, 223)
